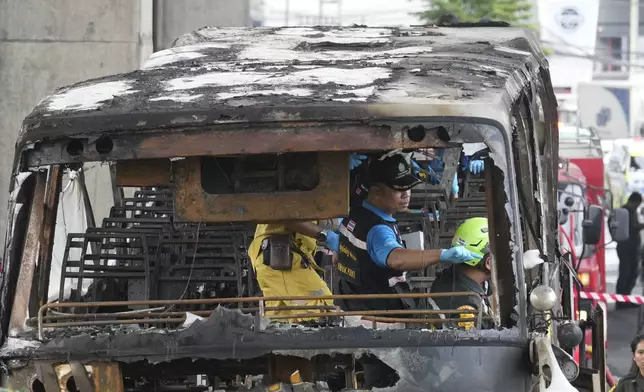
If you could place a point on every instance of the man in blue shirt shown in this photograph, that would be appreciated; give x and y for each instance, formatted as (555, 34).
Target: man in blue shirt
(372, 258)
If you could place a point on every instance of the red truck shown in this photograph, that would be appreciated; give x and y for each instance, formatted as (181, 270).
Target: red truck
(582, 184)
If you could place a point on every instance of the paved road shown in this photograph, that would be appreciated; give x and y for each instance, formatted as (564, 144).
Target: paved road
(622, 323)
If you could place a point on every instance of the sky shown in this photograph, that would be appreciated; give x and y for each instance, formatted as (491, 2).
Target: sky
(370, 12)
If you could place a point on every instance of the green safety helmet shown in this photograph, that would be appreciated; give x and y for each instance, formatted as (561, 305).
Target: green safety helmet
(473, 235)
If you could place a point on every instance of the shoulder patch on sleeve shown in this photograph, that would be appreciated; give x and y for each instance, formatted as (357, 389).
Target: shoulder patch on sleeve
(351, 225)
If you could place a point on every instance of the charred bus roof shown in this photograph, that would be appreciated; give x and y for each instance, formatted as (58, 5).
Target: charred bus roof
(250, 82)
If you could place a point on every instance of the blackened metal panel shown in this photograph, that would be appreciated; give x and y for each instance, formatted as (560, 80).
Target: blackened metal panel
(446, 360)
(459, 368)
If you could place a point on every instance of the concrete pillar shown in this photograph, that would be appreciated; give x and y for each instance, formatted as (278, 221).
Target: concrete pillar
(177, 17)
(48, 44)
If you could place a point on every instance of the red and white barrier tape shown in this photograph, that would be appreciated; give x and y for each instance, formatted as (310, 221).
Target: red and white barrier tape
(612, 298)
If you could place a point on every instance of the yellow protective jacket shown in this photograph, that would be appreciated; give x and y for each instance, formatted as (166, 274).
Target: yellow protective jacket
(298, 281)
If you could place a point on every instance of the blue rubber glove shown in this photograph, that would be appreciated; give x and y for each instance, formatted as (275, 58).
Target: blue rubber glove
(458, 255)
(435, 179)
(356, 160)
(476, 167)
(332, 241)
(455, 187)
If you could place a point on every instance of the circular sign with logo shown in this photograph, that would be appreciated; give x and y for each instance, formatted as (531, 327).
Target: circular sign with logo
(570, 18)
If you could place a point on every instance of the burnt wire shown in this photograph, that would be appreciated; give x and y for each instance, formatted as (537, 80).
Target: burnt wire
(194, 255)
(192, 265)
(576, 267)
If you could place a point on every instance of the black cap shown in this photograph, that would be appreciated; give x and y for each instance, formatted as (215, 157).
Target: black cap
(393, 171)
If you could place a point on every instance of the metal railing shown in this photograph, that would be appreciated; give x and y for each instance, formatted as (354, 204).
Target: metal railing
(161, 314)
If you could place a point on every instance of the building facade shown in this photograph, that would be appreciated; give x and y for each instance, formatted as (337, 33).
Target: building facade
(612, 48)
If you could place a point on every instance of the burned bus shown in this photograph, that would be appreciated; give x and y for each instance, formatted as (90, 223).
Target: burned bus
(146, 284)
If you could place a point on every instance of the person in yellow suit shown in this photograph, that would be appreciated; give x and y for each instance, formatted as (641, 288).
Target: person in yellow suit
(293, 272)
(282, 255)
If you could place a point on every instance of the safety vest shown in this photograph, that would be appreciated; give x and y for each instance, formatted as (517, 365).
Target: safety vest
(357, 271)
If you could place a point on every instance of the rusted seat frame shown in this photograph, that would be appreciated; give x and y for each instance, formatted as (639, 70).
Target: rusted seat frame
(259, 310)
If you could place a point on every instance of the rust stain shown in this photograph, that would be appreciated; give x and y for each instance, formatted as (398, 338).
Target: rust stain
(107, 377)
(48, 229)
(328, 200)
(143, 172)
(292, 138)
(81, 376)
(216, 301)
(240, 139)
(213, 301)
(384, 313)
(20, 309)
